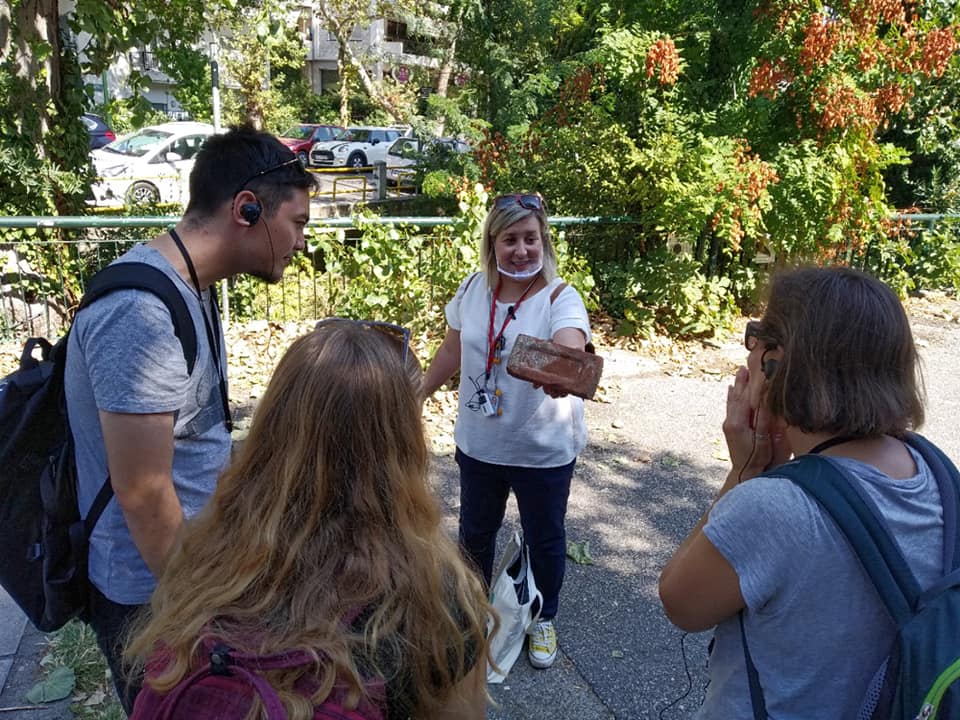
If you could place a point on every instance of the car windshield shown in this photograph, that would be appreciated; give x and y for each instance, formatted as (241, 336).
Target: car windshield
(404, 147)
(298, 132)
(355, 135)
(138, 144)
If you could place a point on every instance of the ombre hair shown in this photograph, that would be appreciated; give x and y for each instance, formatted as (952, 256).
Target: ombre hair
(326, 513)
(849, 363)
(498, 220)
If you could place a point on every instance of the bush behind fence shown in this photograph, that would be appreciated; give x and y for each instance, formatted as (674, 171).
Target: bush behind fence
(405, 273)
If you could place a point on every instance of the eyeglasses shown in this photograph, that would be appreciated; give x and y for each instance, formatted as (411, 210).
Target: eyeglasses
(272, 168)
(530, 202)
(394, 332)
(754, 334)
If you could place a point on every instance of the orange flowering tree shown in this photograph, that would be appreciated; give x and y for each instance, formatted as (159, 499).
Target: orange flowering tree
(839, 83)
(732, 131)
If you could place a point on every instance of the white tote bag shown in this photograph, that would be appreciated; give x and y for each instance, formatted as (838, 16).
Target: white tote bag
(513, 595)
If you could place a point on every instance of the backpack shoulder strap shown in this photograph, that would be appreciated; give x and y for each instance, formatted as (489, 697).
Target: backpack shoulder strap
(470, 279)
(948, 482)
(141, 276)
(837, 493)
(556, 292)
(138, 276)
(588, 347)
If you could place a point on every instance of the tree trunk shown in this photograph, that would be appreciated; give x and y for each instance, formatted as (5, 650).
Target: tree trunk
(368, 84)
(446, 68)
(38, 21)
(344, 85)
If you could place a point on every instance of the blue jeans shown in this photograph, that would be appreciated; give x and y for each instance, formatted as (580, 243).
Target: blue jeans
(542, 501)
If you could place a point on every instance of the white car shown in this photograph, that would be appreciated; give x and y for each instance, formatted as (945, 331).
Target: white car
(355, 147)
(406, 152)
(151, 165)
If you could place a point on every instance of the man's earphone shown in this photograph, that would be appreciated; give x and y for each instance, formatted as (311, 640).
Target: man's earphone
(251, 211)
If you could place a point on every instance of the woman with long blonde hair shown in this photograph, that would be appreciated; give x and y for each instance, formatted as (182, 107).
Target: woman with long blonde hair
(323, 538)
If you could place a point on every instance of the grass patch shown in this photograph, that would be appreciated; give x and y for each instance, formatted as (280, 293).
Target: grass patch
(75, 646)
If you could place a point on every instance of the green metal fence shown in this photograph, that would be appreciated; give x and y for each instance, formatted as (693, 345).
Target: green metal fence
(34, 301)
(46, 261)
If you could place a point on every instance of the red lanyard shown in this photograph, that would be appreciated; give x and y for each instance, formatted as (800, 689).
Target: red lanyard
(511, 313)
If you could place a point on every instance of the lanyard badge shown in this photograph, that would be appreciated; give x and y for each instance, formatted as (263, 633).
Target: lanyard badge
(489, 402)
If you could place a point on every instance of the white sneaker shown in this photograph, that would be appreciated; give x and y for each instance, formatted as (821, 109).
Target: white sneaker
(543, 644)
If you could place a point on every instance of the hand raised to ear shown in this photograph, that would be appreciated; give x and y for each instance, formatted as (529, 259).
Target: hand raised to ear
(756, 441)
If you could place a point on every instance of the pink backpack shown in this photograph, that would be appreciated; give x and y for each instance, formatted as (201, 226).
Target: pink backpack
(223, 690)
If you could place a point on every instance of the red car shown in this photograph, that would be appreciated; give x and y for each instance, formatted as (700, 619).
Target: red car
(300, 138)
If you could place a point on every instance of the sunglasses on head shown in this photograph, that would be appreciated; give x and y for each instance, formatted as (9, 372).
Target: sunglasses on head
(272, 168)
(530, 202)
(754, 333)
(395, 332)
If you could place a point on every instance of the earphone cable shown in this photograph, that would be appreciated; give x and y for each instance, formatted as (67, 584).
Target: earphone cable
(686, 670)
(273, 259)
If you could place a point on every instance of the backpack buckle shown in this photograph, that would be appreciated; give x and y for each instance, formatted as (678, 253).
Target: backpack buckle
(220, 660)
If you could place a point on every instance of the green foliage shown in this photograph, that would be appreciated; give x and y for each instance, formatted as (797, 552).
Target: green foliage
(668, 291)
(574, 268)
(727, 130)
(936, 258)
(73, 650)
(190, 67)
(131, 113)
(397, 274)
(438, 184)
(261, 66)
(915, 256)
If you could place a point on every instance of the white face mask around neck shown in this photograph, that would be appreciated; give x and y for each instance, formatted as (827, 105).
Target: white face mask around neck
(522, 274)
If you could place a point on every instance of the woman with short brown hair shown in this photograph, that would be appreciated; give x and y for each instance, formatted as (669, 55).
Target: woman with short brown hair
(832, 369)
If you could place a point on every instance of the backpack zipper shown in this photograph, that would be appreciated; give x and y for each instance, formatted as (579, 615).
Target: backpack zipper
(932, 701)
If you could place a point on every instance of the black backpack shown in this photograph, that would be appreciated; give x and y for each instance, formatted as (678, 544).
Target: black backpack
(920, 679)
(43, 537)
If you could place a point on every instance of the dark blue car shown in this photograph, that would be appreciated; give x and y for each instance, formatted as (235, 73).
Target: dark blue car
(100, 132)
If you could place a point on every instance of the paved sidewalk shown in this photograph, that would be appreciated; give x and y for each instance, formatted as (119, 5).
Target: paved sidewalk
(655, 459)
(12, 623)
(21, 648)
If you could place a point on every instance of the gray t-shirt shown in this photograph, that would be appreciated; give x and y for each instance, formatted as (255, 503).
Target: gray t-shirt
(816, 628)
(123, 357)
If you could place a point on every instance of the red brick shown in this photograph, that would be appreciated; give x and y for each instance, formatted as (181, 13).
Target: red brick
(546, 363)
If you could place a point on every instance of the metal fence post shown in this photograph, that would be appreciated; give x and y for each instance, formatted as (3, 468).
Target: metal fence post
(380, 173)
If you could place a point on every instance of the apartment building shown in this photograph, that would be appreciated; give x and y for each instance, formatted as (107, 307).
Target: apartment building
(389, 45)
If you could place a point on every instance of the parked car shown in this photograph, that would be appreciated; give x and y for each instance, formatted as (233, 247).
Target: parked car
(407, 152)
(300, 138)
(151, 165)
(100, 132)
(405, 130)
(355, 147)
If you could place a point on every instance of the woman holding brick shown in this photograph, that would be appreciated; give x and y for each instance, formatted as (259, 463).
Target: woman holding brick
(510, 434)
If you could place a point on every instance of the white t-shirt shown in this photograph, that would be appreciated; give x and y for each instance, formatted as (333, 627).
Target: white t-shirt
(533, 430)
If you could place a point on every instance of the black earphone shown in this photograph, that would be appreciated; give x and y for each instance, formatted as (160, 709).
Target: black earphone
(768, 366)
(250, 212)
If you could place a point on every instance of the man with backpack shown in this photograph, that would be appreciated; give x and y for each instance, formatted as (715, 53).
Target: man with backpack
(145, 424)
